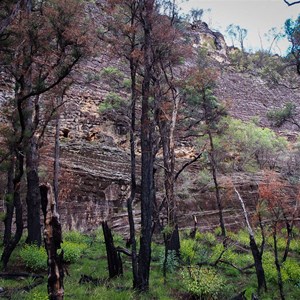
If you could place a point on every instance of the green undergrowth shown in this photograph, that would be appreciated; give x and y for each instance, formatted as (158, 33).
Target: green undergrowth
(197, 274)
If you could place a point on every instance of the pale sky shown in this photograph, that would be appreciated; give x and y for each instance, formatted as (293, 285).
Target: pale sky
(257, 16)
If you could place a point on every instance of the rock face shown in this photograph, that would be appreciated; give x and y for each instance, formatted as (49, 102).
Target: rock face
(214, 42)
(95, 160)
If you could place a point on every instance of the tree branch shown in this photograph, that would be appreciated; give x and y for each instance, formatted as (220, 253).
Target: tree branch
(189, 163)
(291, 3)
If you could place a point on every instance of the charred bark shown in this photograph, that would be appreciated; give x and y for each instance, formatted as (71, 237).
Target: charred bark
(9, 203)
(147, 185)
(134, 261)
(260, 273)
(53, 240)
(33, 198)
(13, 242)
(115, 267)
(278, 264)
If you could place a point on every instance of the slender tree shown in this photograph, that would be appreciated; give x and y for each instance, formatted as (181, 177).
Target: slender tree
(208, 111)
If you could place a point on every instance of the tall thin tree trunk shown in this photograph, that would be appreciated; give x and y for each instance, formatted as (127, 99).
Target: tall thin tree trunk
(216, 183)
(33, 198)
(13, 242)
(131, 198)
(9, 202)
(278, 264)
(167, 128)
(147, 157)
(56, 160)
(257, 255)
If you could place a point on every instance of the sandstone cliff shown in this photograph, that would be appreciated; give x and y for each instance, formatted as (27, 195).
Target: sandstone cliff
(95, 160)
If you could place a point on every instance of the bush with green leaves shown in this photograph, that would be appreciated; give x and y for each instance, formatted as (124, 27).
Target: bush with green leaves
(172, 262)
(206, 237)
(244, 146)
(34, 257)
(188, 249)
(72, 251)
(205, 283)
(75, 237)
(286, 114)
(112, 101)
(113, 76)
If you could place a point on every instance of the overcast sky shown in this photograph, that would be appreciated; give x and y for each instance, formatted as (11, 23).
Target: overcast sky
(257, 16)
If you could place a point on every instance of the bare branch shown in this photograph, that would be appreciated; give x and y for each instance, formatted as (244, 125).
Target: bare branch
(245, 212)
(291, 3)
(190, 162)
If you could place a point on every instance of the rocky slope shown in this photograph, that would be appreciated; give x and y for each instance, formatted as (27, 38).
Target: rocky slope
(95, 160)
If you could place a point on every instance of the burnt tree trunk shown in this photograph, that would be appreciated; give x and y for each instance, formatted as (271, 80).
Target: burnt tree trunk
(13, 242)
(53, 240)
(33, 198)
(278, 264)
(9, 204)
(260, 273)
(134, 262)
(147, 185)
(115, 267)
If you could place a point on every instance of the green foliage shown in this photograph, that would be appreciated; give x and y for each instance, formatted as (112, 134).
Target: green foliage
(292, 30)
(279, 116)
(239, 60)
(72, 251)
(172, 262)
(75, 237)
(112, 101)
(37, 295)
(205, 283)
(243, 146)
(204, 177)
(113, 76)
(188, 249)
(127, 84)
(112, 73)
(92, 77)
(34, 257)
(206, 237)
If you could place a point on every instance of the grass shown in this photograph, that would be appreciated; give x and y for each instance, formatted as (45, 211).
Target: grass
(205, 248)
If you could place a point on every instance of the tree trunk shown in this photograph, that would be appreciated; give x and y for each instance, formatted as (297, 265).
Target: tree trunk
(215, 179)
(277, 264)
(134, 261)
(147, 194)
(115, 266)
(257, 255)
(12, 243)
(260, 273)
(56, 160)
(33, 198)
(9, 203)
(53, 240)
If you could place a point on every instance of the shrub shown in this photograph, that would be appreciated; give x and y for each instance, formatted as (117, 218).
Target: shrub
(34, 257)
(72, 251)
(172, 261)
(203, 282)
(112, 101)
(75, 237)
(244, 146)
(188, 250)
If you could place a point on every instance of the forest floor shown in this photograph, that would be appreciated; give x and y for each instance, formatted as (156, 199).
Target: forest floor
(194, 277)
